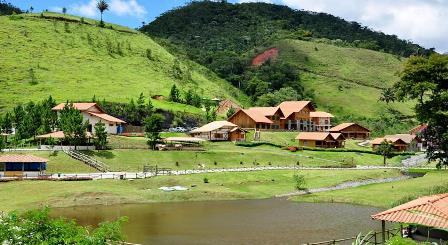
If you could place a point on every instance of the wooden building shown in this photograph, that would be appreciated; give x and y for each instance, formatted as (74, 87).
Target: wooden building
(321, 120)
(22, 165)
(219, 131)
(274, 114)
(297, 115)
(321, 139)
(397, 143)
(351, 131)
(250, 119)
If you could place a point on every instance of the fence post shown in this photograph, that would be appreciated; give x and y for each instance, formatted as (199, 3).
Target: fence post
(383, 229)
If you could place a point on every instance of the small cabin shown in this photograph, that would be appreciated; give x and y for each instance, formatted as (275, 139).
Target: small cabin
(351, 131)
(397, 143)
(219, 131)
(22, 166)
(321, 140)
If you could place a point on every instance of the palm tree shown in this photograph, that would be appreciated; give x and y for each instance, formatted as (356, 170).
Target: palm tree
(386, 150)
(102, 6)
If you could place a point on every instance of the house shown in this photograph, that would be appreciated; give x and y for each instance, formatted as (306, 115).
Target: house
(22, 166)
(94, 114)
(219, 131)
(321, 120)
(250, 119)
(274, 114)
(297, 115)
(351, 131)
(225, 105)
(397, 143)
(321, 139)
(419, 132)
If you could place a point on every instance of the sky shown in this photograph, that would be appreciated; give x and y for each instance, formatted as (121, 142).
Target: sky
(422, 21)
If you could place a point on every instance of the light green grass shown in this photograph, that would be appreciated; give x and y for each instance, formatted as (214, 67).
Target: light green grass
(353, 144)
(221, 186)
(227, 155)
(71, 62)
(380, 195)
(345, 80)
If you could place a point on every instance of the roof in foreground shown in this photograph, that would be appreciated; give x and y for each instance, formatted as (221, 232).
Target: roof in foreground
(22, 158)
(214, 126)
(431, 211)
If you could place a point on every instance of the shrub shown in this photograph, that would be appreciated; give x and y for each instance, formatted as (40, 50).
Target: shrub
(205, 180)
(299, 182)
(216, 163)
(177, 164)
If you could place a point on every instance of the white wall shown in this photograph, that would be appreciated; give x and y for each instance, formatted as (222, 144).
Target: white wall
(94, 120)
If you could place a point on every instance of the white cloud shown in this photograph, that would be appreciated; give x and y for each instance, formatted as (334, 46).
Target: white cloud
(118, 7)
(127, 8)
(422, 21)
(85, 9)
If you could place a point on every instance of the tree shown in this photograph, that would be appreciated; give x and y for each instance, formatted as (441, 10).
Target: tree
(6, 123)
(153, 127)
(230, 112)
(100, 140)
(131, 113)
(31, 9)
(64, 10)
(16, 227)
(72, 124)
(33, 119)
(426, 80)
(49, 117)
(189, 97)
(149, 108)
(141, 108)
(387, 95)
(174, 94)
(385, 149)
(102, 6)
(19, 121)
(2, 143)
(210, 111)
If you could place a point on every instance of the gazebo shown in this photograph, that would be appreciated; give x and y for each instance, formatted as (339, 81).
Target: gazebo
(427, 211)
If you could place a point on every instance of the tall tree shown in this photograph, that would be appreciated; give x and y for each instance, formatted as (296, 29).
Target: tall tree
(2, 142)
(19, 123)
(64, 10)
(426, 80)
(386, 150)
(33, 118)
(72, 123)
(174, 94)
(141, 108)
(6, 123)
(387, 95)
(100, 140)
(153, 127)
(102, 6)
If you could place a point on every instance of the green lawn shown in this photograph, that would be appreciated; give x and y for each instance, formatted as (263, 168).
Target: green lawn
(227, 154)
(75, 61)
(32, 194)
(381, 195)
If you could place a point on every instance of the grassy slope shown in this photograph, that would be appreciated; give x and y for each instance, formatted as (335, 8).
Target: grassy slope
(71, 62)
(226, 155)
(31, 194)
(345, 80)
(381, 195)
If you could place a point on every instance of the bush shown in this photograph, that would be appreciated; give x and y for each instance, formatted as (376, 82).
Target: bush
(299, 182)
(205, 180)
(17, 229)
(255, 144)
(292, 148)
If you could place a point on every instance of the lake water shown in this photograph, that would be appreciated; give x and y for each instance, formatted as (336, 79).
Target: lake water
(269, 221)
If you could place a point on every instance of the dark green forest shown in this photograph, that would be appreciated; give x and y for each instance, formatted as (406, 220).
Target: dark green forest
(219, 35)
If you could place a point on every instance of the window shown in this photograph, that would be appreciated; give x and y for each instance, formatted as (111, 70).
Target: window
(111, 125)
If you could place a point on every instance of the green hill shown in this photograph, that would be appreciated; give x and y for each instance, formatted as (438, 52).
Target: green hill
(71, 58)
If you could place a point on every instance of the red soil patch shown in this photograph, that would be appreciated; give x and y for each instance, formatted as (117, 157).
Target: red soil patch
(265, 56)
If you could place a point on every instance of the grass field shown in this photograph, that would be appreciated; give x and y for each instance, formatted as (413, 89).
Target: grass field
(336, 72)
(227, 154)
(32, 194)
(74, 61)
(381, 195)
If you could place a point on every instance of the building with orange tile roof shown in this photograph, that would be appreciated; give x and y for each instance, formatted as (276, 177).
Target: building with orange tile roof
(397, 143)
(219, 131)
(22, 165)
(321, 120)
(95, 114)
(351, 131)
(321, 139)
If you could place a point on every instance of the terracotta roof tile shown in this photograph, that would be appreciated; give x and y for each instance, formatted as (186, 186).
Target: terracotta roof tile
(431, 211)
(21, 158)
(58, 135)
(214, 126)
(313, 136)
(79, 106)
(289, 107)
(320, 114)
(107, 117)
(408, 138)
(265, 111)
(256, 116)
(343, 126)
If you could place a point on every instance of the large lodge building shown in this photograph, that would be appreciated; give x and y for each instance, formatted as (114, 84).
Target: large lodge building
(289, 115)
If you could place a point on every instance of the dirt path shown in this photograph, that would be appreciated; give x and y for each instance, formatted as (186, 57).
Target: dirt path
(345, 185)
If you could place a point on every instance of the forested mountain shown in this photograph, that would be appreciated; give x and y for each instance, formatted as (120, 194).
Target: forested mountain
(7, 8)
(219, 35)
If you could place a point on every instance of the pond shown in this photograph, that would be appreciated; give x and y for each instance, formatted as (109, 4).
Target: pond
(269, 221)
